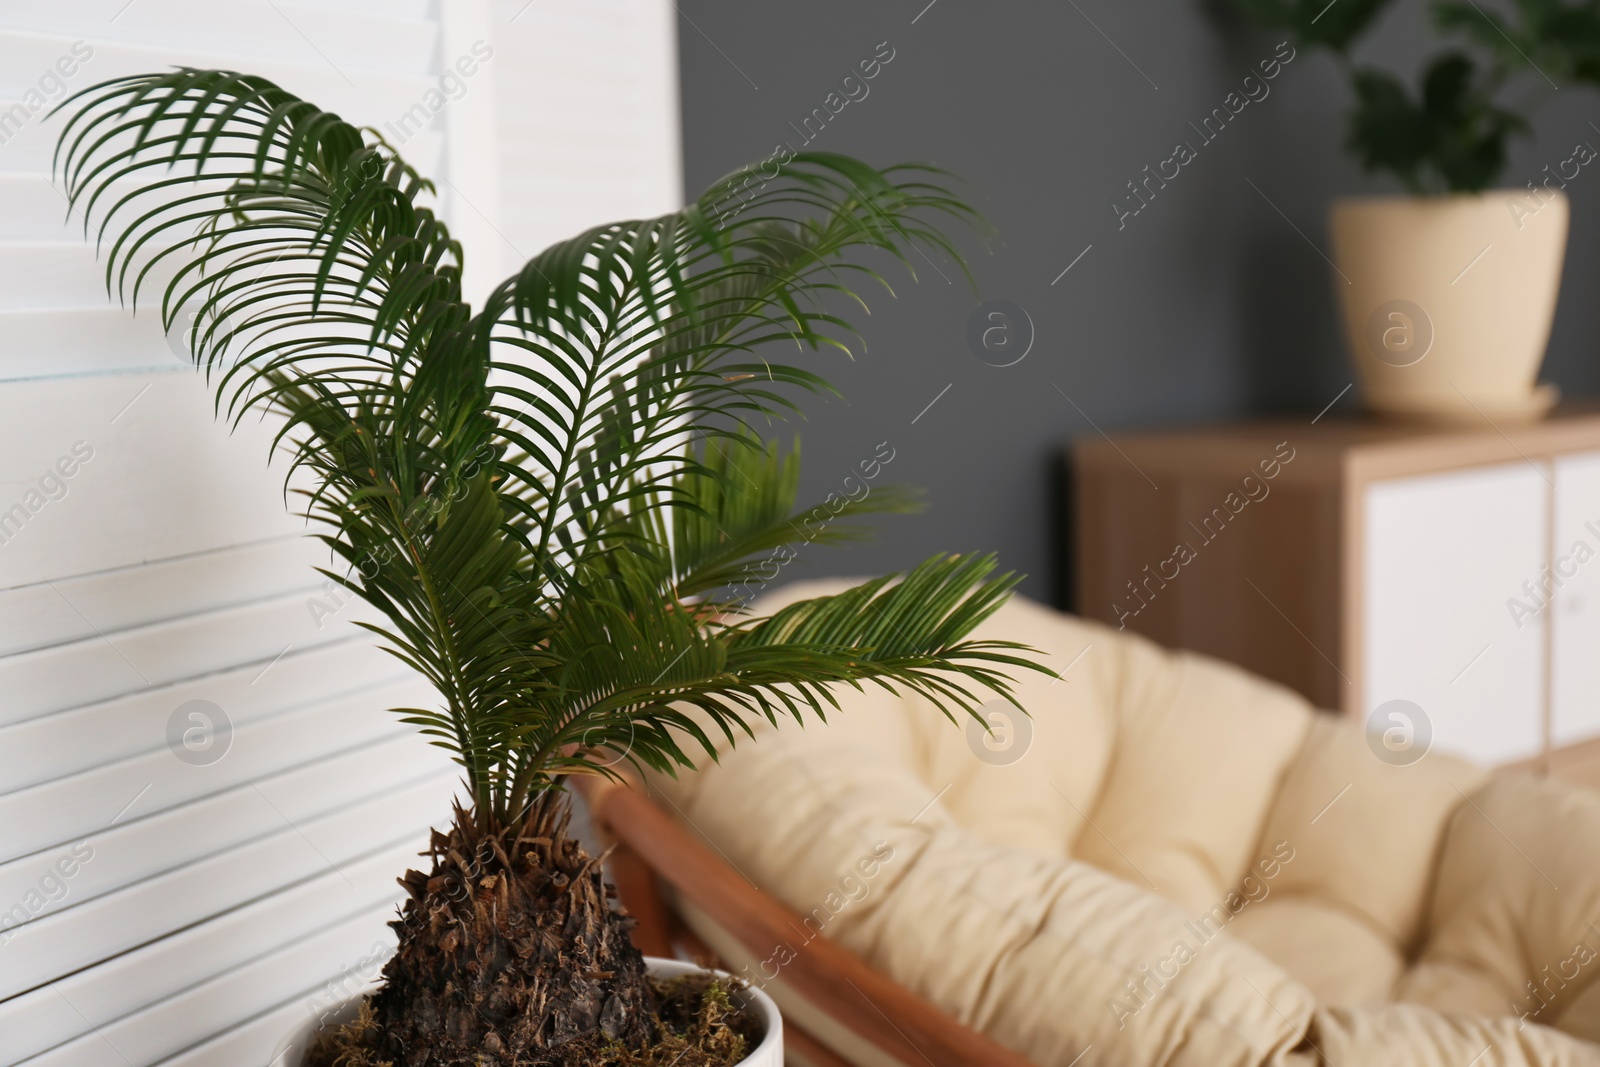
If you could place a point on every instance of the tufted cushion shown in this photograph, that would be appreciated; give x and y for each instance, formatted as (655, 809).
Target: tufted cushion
(1183, 865)
(1041, 808)
(1187, 825)
(1333, 953)
(1513, 922)
(1366, 833)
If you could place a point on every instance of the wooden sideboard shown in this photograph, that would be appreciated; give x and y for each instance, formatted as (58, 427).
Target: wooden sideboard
(1363, 562)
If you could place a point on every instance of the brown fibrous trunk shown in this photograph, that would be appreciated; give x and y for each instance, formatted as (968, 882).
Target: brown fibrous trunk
(510, 953)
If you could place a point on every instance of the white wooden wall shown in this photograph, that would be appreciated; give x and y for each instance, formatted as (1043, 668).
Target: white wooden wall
(157, 910)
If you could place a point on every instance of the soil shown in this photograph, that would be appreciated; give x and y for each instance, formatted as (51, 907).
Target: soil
(697, 1025)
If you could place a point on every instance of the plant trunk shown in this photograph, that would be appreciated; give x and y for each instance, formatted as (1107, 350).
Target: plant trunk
(511, 954)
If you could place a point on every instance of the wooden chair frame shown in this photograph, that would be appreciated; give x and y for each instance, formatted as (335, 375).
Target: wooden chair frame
(650, 848)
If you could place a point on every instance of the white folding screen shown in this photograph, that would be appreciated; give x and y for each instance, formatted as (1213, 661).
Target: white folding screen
(587, 98)
(181, 890)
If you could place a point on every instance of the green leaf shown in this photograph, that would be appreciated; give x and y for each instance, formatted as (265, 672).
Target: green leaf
(1451, 139)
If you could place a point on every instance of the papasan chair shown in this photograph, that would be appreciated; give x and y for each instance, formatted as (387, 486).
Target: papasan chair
(1169, 862)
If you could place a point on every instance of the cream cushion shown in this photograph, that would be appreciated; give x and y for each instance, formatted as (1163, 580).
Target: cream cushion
(1169, 861)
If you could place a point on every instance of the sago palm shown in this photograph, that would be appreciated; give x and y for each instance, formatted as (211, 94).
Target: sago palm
(551, 499)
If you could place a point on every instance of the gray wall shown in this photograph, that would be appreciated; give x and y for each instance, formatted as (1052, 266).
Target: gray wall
(1206, 306)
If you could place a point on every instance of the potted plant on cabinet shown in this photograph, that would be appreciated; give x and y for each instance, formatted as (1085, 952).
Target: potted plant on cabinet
(547, 498)
(1447, 293)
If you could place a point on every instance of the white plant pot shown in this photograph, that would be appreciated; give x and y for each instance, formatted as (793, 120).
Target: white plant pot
(1447, 300)
(769, 1053)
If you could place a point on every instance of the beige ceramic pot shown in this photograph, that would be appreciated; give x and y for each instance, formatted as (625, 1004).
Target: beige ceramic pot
(1447, 300)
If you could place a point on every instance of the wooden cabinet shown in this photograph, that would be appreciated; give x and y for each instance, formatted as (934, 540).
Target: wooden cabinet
(1456, 568)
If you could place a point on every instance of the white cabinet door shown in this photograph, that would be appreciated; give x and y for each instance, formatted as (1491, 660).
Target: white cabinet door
(1575, 612)
(1444, 554)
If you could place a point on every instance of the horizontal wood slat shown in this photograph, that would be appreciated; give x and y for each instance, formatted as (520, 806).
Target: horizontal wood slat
(52, 274)
(63, 942)
(53, 613)
(36, 1021)
(35, 210)
(612, 150)
(30, 150)
(113, 662)
(227, 999)
(135, 848)
(164, 479)
(280, 53)
(254, 1041)
(66, 809)
(126, 727)
(83, 340)
(357, 38)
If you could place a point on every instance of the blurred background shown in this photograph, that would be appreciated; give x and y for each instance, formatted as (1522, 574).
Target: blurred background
(221, 890)
(1213, 303)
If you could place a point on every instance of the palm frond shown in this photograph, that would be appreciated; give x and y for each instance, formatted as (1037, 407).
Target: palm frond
(732, 517)
(511, 487)
(642, 669)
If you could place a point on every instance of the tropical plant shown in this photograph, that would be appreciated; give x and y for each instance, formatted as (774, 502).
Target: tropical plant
(1451, 136)
(547, 498)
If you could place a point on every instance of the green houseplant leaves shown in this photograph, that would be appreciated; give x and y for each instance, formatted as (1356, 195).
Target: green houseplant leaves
(509, 485)
(1451, 134)
(550, 498)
